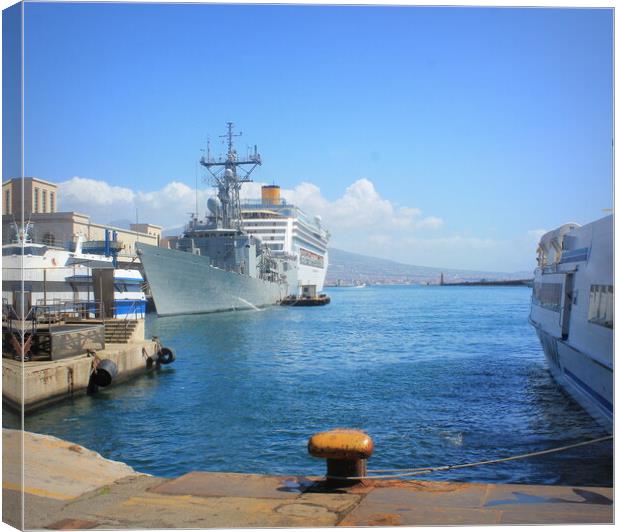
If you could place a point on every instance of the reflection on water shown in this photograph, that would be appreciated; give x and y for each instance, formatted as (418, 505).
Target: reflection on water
(437, 375)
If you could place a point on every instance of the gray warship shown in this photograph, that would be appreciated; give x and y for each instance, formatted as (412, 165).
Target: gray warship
(215, 265)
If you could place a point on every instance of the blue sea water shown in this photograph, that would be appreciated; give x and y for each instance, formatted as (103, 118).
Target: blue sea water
(436, 375)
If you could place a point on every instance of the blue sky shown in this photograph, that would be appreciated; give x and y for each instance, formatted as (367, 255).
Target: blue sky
(438, 136)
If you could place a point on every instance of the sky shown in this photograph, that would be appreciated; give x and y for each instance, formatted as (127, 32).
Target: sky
(448, 137)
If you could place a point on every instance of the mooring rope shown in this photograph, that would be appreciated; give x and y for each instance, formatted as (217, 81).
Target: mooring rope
(426, 470)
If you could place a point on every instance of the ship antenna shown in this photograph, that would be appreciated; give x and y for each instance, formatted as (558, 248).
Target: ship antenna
(196, 191)
(228, 183)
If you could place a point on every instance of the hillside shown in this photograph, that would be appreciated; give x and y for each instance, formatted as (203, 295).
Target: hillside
(352, 268)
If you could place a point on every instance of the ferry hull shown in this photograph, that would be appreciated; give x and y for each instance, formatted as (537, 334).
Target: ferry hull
(586, 380)
(183, 283)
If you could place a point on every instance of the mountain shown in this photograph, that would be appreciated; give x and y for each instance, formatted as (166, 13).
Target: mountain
(173, 231)
(352, 268)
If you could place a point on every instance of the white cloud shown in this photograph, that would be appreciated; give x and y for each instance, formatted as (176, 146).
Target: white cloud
(168, 207)
(360, 208)
(86, 192)
(535, 234)
(431, 222)
(360, 220)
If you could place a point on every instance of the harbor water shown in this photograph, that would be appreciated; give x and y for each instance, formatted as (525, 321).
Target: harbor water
(436, 375)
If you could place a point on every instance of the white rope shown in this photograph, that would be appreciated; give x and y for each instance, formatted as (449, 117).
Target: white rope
(426, 470)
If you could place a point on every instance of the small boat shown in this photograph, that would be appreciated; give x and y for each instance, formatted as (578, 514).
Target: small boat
(46, 277)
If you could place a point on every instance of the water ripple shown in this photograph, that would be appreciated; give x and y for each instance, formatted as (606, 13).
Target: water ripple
(436, 375)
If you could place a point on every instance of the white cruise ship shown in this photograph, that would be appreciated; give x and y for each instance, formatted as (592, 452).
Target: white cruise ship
(290, 233)
(573, 314)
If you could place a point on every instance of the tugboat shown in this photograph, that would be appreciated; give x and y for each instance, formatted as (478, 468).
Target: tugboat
(306, 301)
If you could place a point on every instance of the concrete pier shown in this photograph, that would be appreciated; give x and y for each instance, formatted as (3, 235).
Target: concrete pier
(69, 487)
(39, 383)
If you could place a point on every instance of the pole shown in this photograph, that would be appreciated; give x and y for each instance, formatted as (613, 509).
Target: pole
(101, 298)
(196, 208)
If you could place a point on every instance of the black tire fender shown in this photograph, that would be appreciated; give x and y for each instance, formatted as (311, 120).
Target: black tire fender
(165, 355)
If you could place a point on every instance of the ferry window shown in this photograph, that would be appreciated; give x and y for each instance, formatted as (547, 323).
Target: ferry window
(13, 250)
(33, 250)
(601, 308)
(548, 295)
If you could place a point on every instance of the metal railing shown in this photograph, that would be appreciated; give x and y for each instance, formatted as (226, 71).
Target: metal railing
(132, 314)
(21, 331)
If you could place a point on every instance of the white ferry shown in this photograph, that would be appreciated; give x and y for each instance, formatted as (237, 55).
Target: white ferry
(53, 276)
(573, 314)
(290, 233)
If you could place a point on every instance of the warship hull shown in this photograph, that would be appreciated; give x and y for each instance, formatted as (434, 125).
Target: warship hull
(184, 283)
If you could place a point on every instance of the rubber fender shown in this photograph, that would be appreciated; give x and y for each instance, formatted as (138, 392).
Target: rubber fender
(166, 355)
(105, 373)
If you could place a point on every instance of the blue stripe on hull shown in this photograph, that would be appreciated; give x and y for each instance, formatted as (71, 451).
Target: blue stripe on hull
(557, 353)
(593, 394)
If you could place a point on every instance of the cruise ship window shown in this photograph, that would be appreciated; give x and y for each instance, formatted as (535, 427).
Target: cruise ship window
(601, 307)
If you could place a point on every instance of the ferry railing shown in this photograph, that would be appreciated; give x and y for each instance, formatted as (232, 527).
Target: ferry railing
(61, 310)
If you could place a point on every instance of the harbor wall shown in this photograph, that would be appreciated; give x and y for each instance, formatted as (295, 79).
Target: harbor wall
(52, 381)
(65, 486)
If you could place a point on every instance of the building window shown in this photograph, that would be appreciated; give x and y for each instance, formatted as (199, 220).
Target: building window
(36, 200)
(7, 202)
(52, 201)
(49, 239)
(601, 309)
(43, 201)
(548, 295)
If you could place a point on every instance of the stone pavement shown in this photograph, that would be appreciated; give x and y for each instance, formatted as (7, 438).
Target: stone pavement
(69, 487)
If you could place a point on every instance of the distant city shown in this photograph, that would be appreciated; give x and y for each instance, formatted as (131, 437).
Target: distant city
(352, 269)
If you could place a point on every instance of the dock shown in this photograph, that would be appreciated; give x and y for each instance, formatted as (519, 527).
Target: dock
(69, 487)
(72, 356)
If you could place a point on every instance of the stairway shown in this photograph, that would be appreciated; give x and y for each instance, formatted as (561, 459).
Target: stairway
(119, 331)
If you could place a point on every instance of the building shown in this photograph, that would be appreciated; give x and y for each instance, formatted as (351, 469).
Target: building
(57, 228)
(39, 197)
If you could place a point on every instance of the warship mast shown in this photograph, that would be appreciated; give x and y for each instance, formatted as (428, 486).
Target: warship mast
(226, 179)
